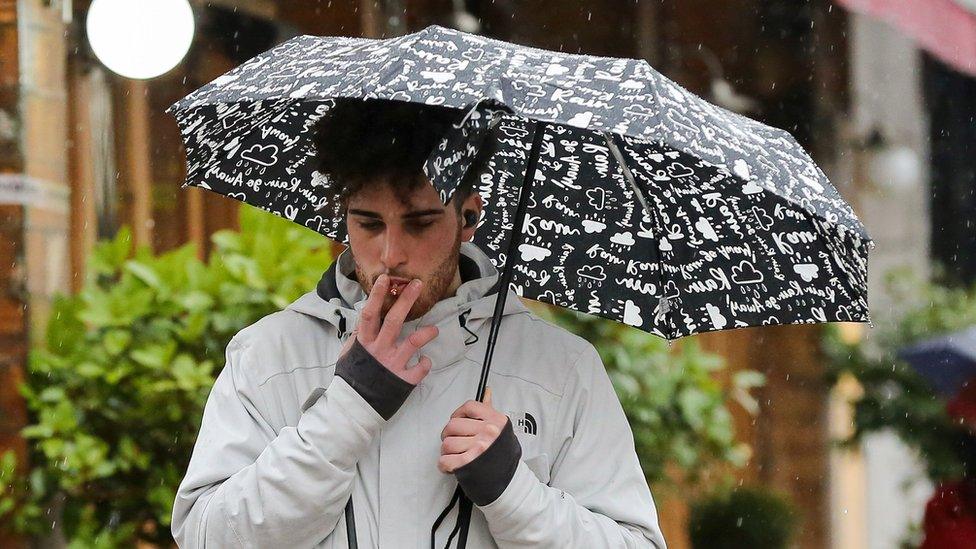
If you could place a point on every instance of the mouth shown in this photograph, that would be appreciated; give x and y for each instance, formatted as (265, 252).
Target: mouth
(397, 285)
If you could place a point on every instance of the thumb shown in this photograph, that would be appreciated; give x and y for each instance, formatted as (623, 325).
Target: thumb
(487, 399)
(419, 371)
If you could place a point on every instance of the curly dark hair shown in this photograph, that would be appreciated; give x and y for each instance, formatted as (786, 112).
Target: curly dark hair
(364, 142)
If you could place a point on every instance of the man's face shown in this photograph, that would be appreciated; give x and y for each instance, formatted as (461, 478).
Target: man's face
(413, 236)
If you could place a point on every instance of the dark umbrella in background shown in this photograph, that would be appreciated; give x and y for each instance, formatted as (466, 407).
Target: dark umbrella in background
(947, 362)
(608, 188)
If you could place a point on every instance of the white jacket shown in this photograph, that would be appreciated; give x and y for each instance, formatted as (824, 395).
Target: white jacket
(284, 442)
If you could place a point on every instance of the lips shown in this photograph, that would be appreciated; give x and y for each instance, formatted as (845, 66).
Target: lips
(397, 285)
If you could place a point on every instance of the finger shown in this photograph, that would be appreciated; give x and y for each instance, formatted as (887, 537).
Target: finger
(369, 319)
(456, 445)
(418, 372)
(414, 342)
(462, 427)
(487, 399)
(453, 462)
(393, 322)
(472, 409)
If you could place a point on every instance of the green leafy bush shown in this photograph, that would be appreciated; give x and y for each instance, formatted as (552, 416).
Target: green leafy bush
(678, 410)
(894, 395)
(742, 518)
(117, 392)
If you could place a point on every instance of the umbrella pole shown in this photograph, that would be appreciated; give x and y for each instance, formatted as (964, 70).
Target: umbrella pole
(464, 509)
(513, 242)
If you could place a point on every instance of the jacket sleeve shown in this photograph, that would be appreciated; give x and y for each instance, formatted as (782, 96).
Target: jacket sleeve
(248, 486)
(597, 495)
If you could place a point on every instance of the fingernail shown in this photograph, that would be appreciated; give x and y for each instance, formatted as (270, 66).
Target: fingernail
(415, 283)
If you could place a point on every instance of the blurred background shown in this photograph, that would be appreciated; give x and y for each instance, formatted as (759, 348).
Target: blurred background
(119, 290)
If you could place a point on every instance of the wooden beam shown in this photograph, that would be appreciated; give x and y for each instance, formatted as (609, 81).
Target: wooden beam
(195, 226)
(371, 18)
(81, 171)
(136, 159)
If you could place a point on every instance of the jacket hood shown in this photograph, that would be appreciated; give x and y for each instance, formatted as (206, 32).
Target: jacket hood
(339, 299)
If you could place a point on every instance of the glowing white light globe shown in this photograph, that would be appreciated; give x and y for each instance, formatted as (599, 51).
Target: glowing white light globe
(140, 38)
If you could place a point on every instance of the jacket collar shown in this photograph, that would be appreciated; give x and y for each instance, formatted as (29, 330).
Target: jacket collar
(339, 299)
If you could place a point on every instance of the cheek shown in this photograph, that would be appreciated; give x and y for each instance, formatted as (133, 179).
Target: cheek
(363, 249)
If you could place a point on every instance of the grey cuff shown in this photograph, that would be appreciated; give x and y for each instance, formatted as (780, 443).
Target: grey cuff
(487, 476)
(381, 388)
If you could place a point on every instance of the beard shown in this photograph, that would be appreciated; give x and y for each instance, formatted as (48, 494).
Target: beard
(434, 287)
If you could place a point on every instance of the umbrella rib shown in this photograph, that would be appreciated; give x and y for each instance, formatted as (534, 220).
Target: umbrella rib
(618, 155)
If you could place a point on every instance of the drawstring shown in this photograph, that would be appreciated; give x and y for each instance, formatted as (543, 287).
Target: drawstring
(440, 519)
(342, 325)
(349, 512)
(463, 320)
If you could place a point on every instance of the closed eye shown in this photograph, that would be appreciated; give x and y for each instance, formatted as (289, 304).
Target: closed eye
(417, 225)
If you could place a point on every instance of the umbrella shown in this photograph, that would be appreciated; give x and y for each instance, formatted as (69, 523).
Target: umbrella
(947, 361)
(944, 28)
(609, 189)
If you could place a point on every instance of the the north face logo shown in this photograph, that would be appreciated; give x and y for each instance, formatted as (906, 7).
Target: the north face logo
(527, 424)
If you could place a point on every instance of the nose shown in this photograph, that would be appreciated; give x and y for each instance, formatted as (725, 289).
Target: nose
(394, 251)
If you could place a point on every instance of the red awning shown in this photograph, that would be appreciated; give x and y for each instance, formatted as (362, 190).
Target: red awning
(944, 28)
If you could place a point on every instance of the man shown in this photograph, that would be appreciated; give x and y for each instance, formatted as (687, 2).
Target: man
(359, 387)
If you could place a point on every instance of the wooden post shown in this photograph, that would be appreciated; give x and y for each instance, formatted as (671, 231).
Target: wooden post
(84, 219)
(371, 18)
(138, 172)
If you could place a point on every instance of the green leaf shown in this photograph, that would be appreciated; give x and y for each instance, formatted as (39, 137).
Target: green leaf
(116, 341)
(37, 431)
(145, 273)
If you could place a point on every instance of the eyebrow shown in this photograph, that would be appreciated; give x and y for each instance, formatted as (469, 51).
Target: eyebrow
(408, 215)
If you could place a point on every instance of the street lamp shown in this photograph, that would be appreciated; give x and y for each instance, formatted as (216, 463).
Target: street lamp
(140, 39)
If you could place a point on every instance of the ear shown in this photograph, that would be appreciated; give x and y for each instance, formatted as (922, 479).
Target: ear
(476, 204)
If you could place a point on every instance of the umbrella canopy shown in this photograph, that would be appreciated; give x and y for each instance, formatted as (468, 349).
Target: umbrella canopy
(944, 28)
(947, 362)
(648, 205)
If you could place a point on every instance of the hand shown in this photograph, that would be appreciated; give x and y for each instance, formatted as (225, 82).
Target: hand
(471, 430)
(381, 341)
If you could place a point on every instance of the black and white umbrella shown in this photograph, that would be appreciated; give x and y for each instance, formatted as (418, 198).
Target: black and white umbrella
(643, 203)
(648, 205)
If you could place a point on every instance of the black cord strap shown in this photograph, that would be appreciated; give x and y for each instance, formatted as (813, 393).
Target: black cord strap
(351, 525)
(442, 516)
